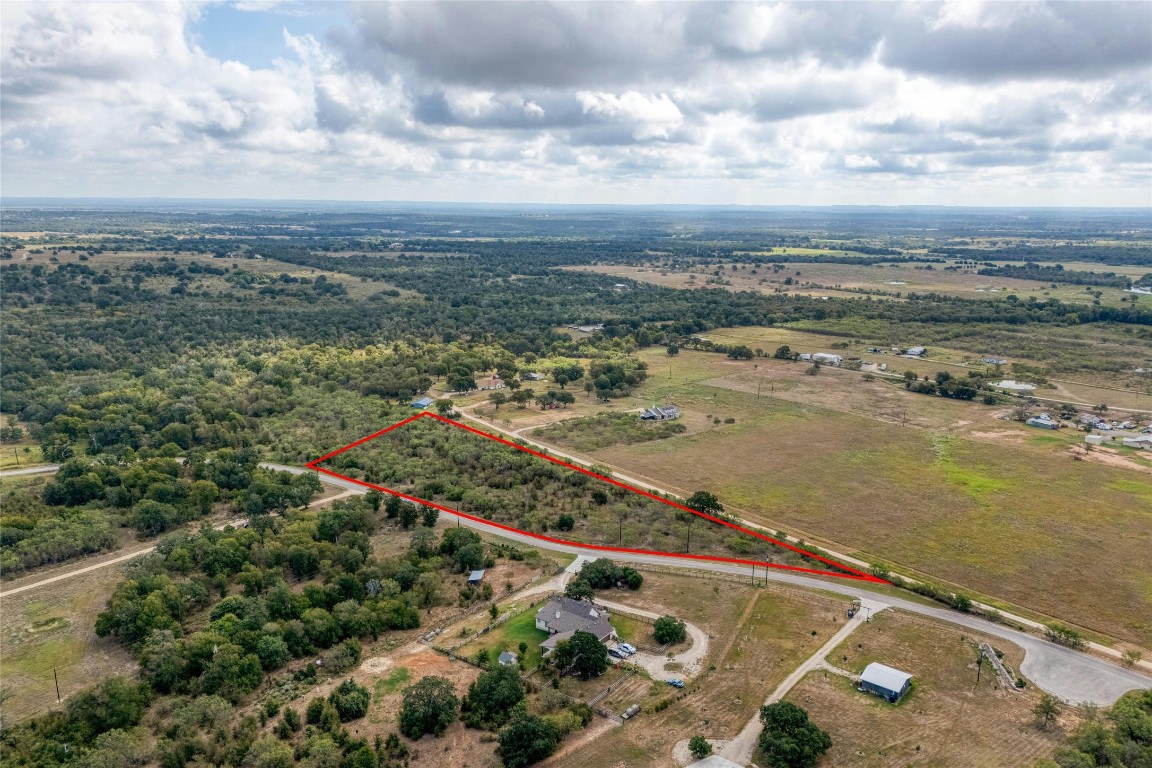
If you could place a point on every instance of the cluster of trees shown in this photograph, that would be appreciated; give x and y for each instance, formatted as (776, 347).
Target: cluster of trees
(450, 466)
(494, 702)
(1057, 274)
(210, 614)
(789, 738)
(1120, 739)
(947, 385)
(603, 429)
(602, 573)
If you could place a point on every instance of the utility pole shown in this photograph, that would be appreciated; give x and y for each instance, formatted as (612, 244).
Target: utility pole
(979, 662)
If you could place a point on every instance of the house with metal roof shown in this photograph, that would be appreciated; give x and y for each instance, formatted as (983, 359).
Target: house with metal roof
(423, 402)
(885, 681)
(660, 413)
(562, 617)
(475, 577)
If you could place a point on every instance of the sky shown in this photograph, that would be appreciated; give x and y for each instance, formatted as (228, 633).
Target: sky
(816, 103)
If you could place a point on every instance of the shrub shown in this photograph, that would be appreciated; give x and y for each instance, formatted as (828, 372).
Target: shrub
(350, 700)
(669, 630)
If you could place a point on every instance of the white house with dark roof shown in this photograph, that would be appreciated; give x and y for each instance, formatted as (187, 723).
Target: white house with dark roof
(562, 617)
(660, 413)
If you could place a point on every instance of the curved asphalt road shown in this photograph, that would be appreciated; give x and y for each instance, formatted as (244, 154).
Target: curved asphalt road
(1073, 676)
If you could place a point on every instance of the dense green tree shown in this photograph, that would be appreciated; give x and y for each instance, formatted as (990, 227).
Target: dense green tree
(789, 739)
(490, 700)
(527, 740)
(669, 630)
(429, 706)
(350, 700)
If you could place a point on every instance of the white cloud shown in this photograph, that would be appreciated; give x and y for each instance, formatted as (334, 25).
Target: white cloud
(685, 102)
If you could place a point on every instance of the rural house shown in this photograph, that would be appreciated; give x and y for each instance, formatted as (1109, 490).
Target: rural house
(562, 617)
(1044, 421)
(994, 360)
(915, 352)
(885, 681)
(475, 577)
(824, 358)
(661, 413)
(423, 402)
(1144, 442)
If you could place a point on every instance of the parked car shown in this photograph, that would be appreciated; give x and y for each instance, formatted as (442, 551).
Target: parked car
(617, 654)
(676, 683)
(628, 648)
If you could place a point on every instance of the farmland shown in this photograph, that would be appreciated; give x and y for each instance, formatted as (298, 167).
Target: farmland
(955, 493)
(948, 718)
(891, 281)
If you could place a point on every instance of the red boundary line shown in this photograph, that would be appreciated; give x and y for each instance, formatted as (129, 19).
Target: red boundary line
(852, 573)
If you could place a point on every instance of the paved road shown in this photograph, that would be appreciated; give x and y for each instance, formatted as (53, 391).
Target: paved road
(1073, 676)
(1145, 665)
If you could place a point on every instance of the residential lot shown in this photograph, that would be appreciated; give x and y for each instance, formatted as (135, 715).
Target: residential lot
(948, 719)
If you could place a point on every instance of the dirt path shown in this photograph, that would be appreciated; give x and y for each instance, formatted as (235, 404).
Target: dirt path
(739, 750)
(119, 557)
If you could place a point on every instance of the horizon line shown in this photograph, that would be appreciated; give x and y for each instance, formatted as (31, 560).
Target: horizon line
(36, 201)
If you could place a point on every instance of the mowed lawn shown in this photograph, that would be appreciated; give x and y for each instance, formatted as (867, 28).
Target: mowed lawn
(1021, 522)
(508, 636)
(948, 719)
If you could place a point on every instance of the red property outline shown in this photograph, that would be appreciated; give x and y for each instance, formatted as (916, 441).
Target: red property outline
(852, 573)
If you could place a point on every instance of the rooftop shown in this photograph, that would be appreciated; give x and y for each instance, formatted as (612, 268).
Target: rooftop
(884, 676)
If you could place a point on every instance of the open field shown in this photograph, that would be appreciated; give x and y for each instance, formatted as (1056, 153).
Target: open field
(46, 630)
(752, 651)
(987, 507)
(947, 720)
(890, 281)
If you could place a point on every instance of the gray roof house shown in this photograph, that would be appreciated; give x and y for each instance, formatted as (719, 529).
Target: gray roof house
(476, 577)
(661, 413)
(423, 402)
(884, 681)
(562, 617)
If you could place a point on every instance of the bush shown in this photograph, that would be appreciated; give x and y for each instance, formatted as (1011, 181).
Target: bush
(789, 739)
(699, 747)
(527, 740)
(669, 630)
(429, 706)
(1066, 636)
(350, 700)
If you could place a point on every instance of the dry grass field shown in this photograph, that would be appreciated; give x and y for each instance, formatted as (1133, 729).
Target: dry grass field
(966, 498)
(883, 280)
(947, 720)
(53, 629)
(759, 638)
